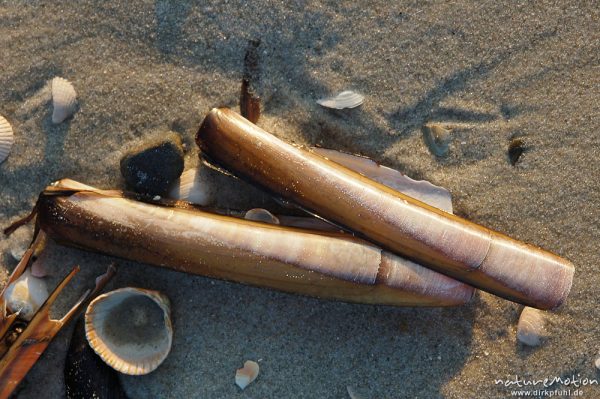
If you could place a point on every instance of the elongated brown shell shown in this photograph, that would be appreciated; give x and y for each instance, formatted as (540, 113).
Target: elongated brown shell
(447, 243)
(130, 329)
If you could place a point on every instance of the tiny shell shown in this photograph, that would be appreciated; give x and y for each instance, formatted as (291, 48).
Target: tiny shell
(597, 363)
(261, 215)
(130, 329)
(64, 99)
(352, 394)
(247, 374)
(346, 99)
(26, 295)
(7, 138)
(530, 330)
(437, 139)
(192, 186)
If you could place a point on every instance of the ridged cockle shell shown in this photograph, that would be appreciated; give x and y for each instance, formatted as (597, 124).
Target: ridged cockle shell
(64, 99)
(130, 329)
(6, 138)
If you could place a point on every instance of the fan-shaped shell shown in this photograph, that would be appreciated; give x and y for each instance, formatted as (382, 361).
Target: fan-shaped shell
(346, 99)
(7, 138)
(530, 330)
(64, 99)
(130, 329)
(26, 295)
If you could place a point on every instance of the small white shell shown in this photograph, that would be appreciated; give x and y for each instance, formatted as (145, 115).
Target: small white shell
(7, 138)
(130, 329)
(346, 99)
(64, 99)
(247, 374)
(192, 186)
(26, 295)
(530, 330)
(261, 215)
(597, 363)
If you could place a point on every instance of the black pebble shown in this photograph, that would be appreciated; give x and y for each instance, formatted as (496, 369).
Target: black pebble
(152, 168)
(515, 150)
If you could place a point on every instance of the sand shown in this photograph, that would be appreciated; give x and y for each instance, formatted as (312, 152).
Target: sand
(494, 70)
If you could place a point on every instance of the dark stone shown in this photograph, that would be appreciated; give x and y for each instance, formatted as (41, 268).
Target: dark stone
(153, 167)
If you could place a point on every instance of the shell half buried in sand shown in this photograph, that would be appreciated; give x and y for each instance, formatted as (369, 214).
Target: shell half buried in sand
(6, 138)
(130, 329)
(64, 99)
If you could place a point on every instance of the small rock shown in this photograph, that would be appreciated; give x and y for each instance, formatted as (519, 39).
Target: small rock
(153, 167)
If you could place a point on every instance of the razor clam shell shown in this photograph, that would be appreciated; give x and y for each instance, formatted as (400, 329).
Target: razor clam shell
(247, 374)
(133, 358)
(531, 330)
(422, 190)
(345, 99)
(26, 295)
(437, 138)
(7, 138)
(192, 186)
(64, 99)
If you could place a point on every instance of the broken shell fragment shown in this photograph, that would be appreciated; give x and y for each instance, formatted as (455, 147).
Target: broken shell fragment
(261, 215)
(26, 295)
(7, 138)
(597, 363)
(64, 99)
(437, 139)
(346, 99)
(130, 329)
(247, 374)
(530, 330)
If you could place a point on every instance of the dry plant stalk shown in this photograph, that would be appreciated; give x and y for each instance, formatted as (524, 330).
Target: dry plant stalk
(316, 263)
(18, 356)
(447, 243)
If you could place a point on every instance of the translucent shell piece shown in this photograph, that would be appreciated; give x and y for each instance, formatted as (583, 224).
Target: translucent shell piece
(192, 186)
(130, 329)
(437, 138)
(261, 215)
(7, 138)
(64, 99)
(247, 374)
(422, 190)
(346, 99)
(531, 330)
